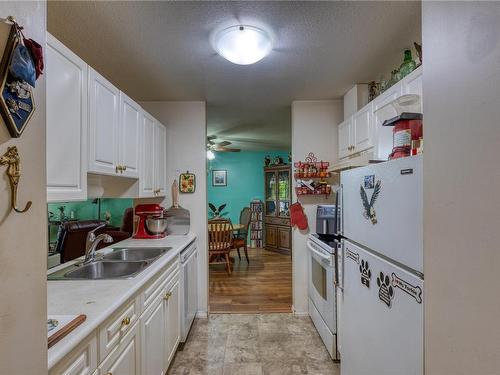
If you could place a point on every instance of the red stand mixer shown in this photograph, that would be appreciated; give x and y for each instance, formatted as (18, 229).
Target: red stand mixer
(152, 221)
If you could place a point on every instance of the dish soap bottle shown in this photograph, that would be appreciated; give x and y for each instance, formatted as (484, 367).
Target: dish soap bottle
(408, 64)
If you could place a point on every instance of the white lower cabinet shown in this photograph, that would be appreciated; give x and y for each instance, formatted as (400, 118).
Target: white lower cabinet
(131, 343)
(81, 361)
(172, 321)
(153, 338)
(125, 359)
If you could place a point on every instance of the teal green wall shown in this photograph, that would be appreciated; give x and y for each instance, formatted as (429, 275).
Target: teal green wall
(87, 210)
(245, 179)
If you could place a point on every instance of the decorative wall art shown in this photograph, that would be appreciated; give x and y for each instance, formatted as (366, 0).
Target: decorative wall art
(219, 178)
(187, 182)
(20, 65)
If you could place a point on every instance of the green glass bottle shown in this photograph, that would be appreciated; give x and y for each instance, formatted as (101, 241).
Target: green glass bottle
(408, 64)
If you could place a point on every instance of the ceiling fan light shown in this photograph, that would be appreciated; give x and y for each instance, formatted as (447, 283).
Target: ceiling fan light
(210, 155)
(243, 45)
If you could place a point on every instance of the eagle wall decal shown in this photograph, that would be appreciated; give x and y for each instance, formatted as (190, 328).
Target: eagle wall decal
(369, 210)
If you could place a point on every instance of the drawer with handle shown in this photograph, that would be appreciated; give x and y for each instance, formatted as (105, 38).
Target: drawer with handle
(155, 286)
(114, 329)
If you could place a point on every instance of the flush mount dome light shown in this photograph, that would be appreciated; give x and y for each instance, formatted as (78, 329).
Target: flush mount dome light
(243, 44)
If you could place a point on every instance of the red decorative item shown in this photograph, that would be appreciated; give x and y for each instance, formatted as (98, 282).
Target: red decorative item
(297, 216)
(407, 128)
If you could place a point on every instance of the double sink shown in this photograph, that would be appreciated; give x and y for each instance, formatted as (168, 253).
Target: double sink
(121, 263)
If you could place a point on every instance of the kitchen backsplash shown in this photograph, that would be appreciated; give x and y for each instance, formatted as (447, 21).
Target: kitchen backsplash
(108, 209)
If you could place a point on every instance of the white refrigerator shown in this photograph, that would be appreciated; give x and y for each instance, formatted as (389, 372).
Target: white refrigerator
(381, 269)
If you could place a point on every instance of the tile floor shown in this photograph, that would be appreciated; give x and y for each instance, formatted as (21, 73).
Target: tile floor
(253, 344)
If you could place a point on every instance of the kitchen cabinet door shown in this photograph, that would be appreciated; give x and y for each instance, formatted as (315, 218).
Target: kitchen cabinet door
(271, 236)
(412, 84)
(153, 339)
(67, 107)
(284, 240)
(381, 112)
(129, 136)
(161, 160)
(103, 125)
(344, 138)
(172, 322)
(147, 180)
(362, 129)
(124, 359)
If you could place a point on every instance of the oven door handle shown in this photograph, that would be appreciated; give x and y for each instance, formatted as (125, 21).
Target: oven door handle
(314, 251)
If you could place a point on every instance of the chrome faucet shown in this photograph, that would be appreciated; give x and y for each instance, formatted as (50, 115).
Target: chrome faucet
(92, 242)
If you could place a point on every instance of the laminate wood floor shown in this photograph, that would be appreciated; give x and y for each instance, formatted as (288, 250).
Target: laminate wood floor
(264, 285)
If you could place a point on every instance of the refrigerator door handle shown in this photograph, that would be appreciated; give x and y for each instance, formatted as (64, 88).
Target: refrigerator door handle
(339, 269)
(340, 226)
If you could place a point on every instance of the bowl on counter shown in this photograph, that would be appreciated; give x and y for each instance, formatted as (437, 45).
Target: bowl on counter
(156, 225)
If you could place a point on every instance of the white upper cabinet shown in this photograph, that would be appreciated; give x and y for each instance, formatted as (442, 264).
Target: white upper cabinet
(412, 84)
(355, 134)
(153, 181)
(129, 146)
(104, 114)
(147, 179)
(344, 138)
(161, 157)
(66, 123)
(382, 112)
(362, 129)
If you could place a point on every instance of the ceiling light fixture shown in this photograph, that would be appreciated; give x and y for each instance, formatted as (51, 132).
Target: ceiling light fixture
(210, 155)
(243, 45)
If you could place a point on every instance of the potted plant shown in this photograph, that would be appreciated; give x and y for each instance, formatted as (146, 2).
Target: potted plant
(216, 212)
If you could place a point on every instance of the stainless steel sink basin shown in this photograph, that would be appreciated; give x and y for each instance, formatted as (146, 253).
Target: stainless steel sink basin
(106, 270)
(137, 254)
(121, 263)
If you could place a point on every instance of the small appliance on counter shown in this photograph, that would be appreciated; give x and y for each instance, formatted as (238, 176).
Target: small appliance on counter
(326, 221)
(152, 223)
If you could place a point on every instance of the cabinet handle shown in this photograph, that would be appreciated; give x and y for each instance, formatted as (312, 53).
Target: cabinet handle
(126, 321)
(167, 296)
(109, 373)
(124, 168)
(117, 169)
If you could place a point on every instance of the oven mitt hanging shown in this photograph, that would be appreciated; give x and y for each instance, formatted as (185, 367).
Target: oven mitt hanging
(298, 217)
(36, 53)
(21, 66)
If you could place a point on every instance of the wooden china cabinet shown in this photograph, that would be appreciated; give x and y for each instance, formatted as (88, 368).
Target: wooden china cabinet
(277, 201)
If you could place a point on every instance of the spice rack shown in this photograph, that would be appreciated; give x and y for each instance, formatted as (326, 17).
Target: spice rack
(310, 169)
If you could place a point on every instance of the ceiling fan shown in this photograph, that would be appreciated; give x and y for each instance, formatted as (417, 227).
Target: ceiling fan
(219, 146)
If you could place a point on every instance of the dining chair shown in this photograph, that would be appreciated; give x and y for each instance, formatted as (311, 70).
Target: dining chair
(240, 240)
(220, 235)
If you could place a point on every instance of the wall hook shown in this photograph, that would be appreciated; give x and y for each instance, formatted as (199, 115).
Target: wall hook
(13, 162)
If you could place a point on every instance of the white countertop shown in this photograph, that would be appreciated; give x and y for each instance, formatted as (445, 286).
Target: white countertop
(98, 299)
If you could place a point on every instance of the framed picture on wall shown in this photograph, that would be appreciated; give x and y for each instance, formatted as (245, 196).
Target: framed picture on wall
(219, 178)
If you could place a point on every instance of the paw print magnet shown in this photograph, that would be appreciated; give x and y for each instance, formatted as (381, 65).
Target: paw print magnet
(386, 291)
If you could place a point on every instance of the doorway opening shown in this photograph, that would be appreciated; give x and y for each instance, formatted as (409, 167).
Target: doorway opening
(249, 197)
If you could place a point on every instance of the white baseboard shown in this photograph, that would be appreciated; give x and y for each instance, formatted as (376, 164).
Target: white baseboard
(299, 313)
(202, 315)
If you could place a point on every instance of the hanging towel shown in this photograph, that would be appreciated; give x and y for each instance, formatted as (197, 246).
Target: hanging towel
(297, 216)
